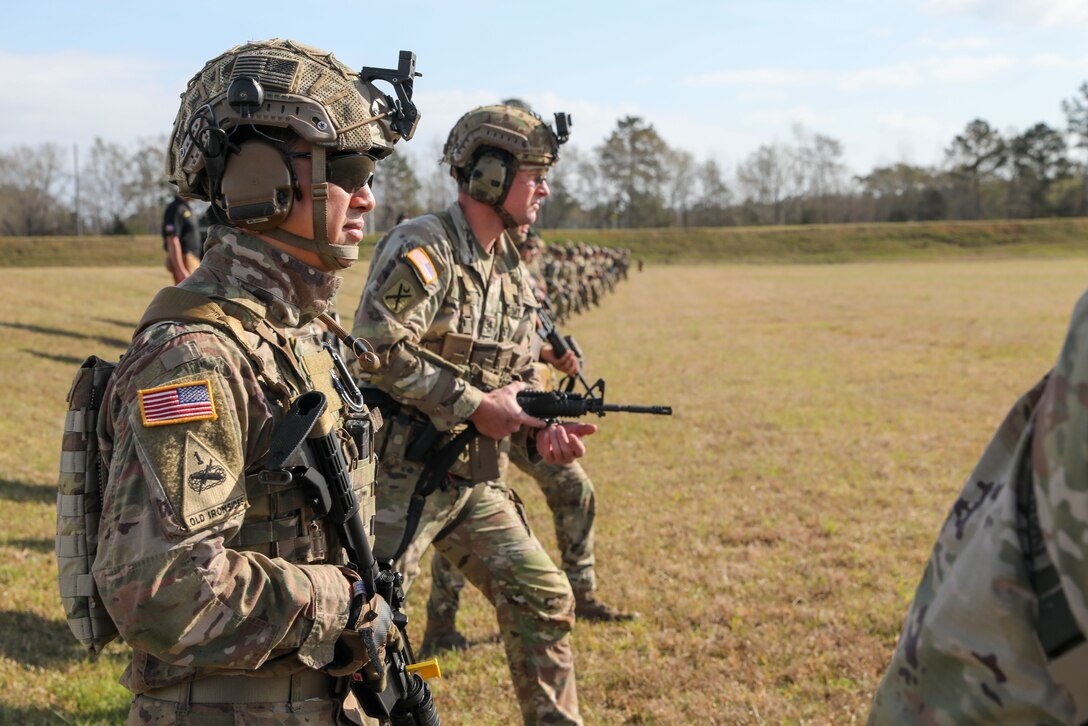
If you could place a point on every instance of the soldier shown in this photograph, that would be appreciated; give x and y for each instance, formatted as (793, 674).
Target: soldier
(228, 586)
(996, 630)
(570, 496)
(448, 288)
(180, 238)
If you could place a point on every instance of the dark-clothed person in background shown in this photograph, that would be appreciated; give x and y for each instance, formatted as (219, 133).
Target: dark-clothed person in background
(181, 238)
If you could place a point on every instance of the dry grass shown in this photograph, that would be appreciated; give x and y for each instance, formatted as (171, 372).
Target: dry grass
(771, 532)
(793, 244)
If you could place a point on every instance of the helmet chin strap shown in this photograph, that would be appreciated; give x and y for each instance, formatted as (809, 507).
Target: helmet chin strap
(505, 216)
(334, 256)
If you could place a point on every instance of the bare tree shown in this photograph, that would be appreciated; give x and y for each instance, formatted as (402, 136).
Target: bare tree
(147, 189)
(436, 187)
(106, 177)
(592, 190)
(396, 189)
(713, 199)
(34, 184)
(681, 185)
(827, 173)
(563, 204)
(762, 177)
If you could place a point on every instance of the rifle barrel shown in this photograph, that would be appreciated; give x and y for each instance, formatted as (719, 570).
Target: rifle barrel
(656, 410)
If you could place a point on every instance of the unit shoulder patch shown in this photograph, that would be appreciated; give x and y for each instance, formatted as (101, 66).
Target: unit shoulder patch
(211, 492)
(401, 291)
(177, 403)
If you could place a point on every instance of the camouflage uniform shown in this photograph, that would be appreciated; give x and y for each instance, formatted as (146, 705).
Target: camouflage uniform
(570, 496)
(224, 586)
(573, 503)
(431, 283)
(971, 649)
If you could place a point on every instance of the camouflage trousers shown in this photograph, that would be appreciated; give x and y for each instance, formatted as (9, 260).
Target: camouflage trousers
(569, 493)
(495, 549)
(319, 711)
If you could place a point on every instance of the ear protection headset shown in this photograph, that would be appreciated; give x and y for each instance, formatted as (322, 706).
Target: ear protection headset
(490, 175)
(257, 186)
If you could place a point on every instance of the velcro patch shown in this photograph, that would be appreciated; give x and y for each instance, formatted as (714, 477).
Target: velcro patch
(177, 403)
(421, 261)
(211, 493)
(401, 292)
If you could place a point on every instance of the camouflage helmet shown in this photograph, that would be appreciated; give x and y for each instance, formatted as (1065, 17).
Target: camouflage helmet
(262, 88)
(305, 90)
(513, 129)
(489, 145)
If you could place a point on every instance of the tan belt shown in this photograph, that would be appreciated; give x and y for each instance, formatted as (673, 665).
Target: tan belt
(247, 689)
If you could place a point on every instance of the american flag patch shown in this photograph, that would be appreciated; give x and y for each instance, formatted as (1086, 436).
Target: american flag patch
(422, 262)
(178, 403)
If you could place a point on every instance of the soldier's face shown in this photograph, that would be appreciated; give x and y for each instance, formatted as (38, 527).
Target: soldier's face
(344, 210)
(529, 189)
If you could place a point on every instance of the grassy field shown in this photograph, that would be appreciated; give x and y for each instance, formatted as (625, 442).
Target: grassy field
(771, 532)
(805, 244)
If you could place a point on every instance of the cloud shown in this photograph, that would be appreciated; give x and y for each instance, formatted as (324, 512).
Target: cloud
(919, 124)
(1055, 62)
(950, 69)
(968, 69)
(899, 75)
(802, 114)
(75, 96)
(1038, 13)
(967, 42)
(752, 77)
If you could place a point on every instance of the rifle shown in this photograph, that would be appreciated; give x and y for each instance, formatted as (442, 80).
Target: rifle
(541, 404)
(406, 699)
(562, 343)
(567, 404)
(553, 405)
(549, 404)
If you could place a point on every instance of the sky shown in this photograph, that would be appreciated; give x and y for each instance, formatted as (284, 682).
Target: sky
(892, 80)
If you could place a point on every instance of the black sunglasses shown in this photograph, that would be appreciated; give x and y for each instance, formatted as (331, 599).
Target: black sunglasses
(349, 170)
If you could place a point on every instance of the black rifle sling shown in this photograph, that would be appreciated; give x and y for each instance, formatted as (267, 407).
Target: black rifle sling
(430, 479)
(470, 504)
(438, 465)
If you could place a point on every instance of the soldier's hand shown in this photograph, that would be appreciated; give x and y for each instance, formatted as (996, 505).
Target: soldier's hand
(562, 443)
(500, 415)
(566, 364)
(363, 646)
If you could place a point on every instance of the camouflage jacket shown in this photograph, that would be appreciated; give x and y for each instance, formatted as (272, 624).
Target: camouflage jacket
(203, 568)
(969, 651)
(438, 290)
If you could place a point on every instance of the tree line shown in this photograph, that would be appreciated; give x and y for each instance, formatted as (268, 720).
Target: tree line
(633, 179)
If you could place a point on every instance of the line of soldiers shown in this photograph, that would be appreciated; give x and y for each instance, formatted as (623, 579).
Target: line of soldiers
(575, 275)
